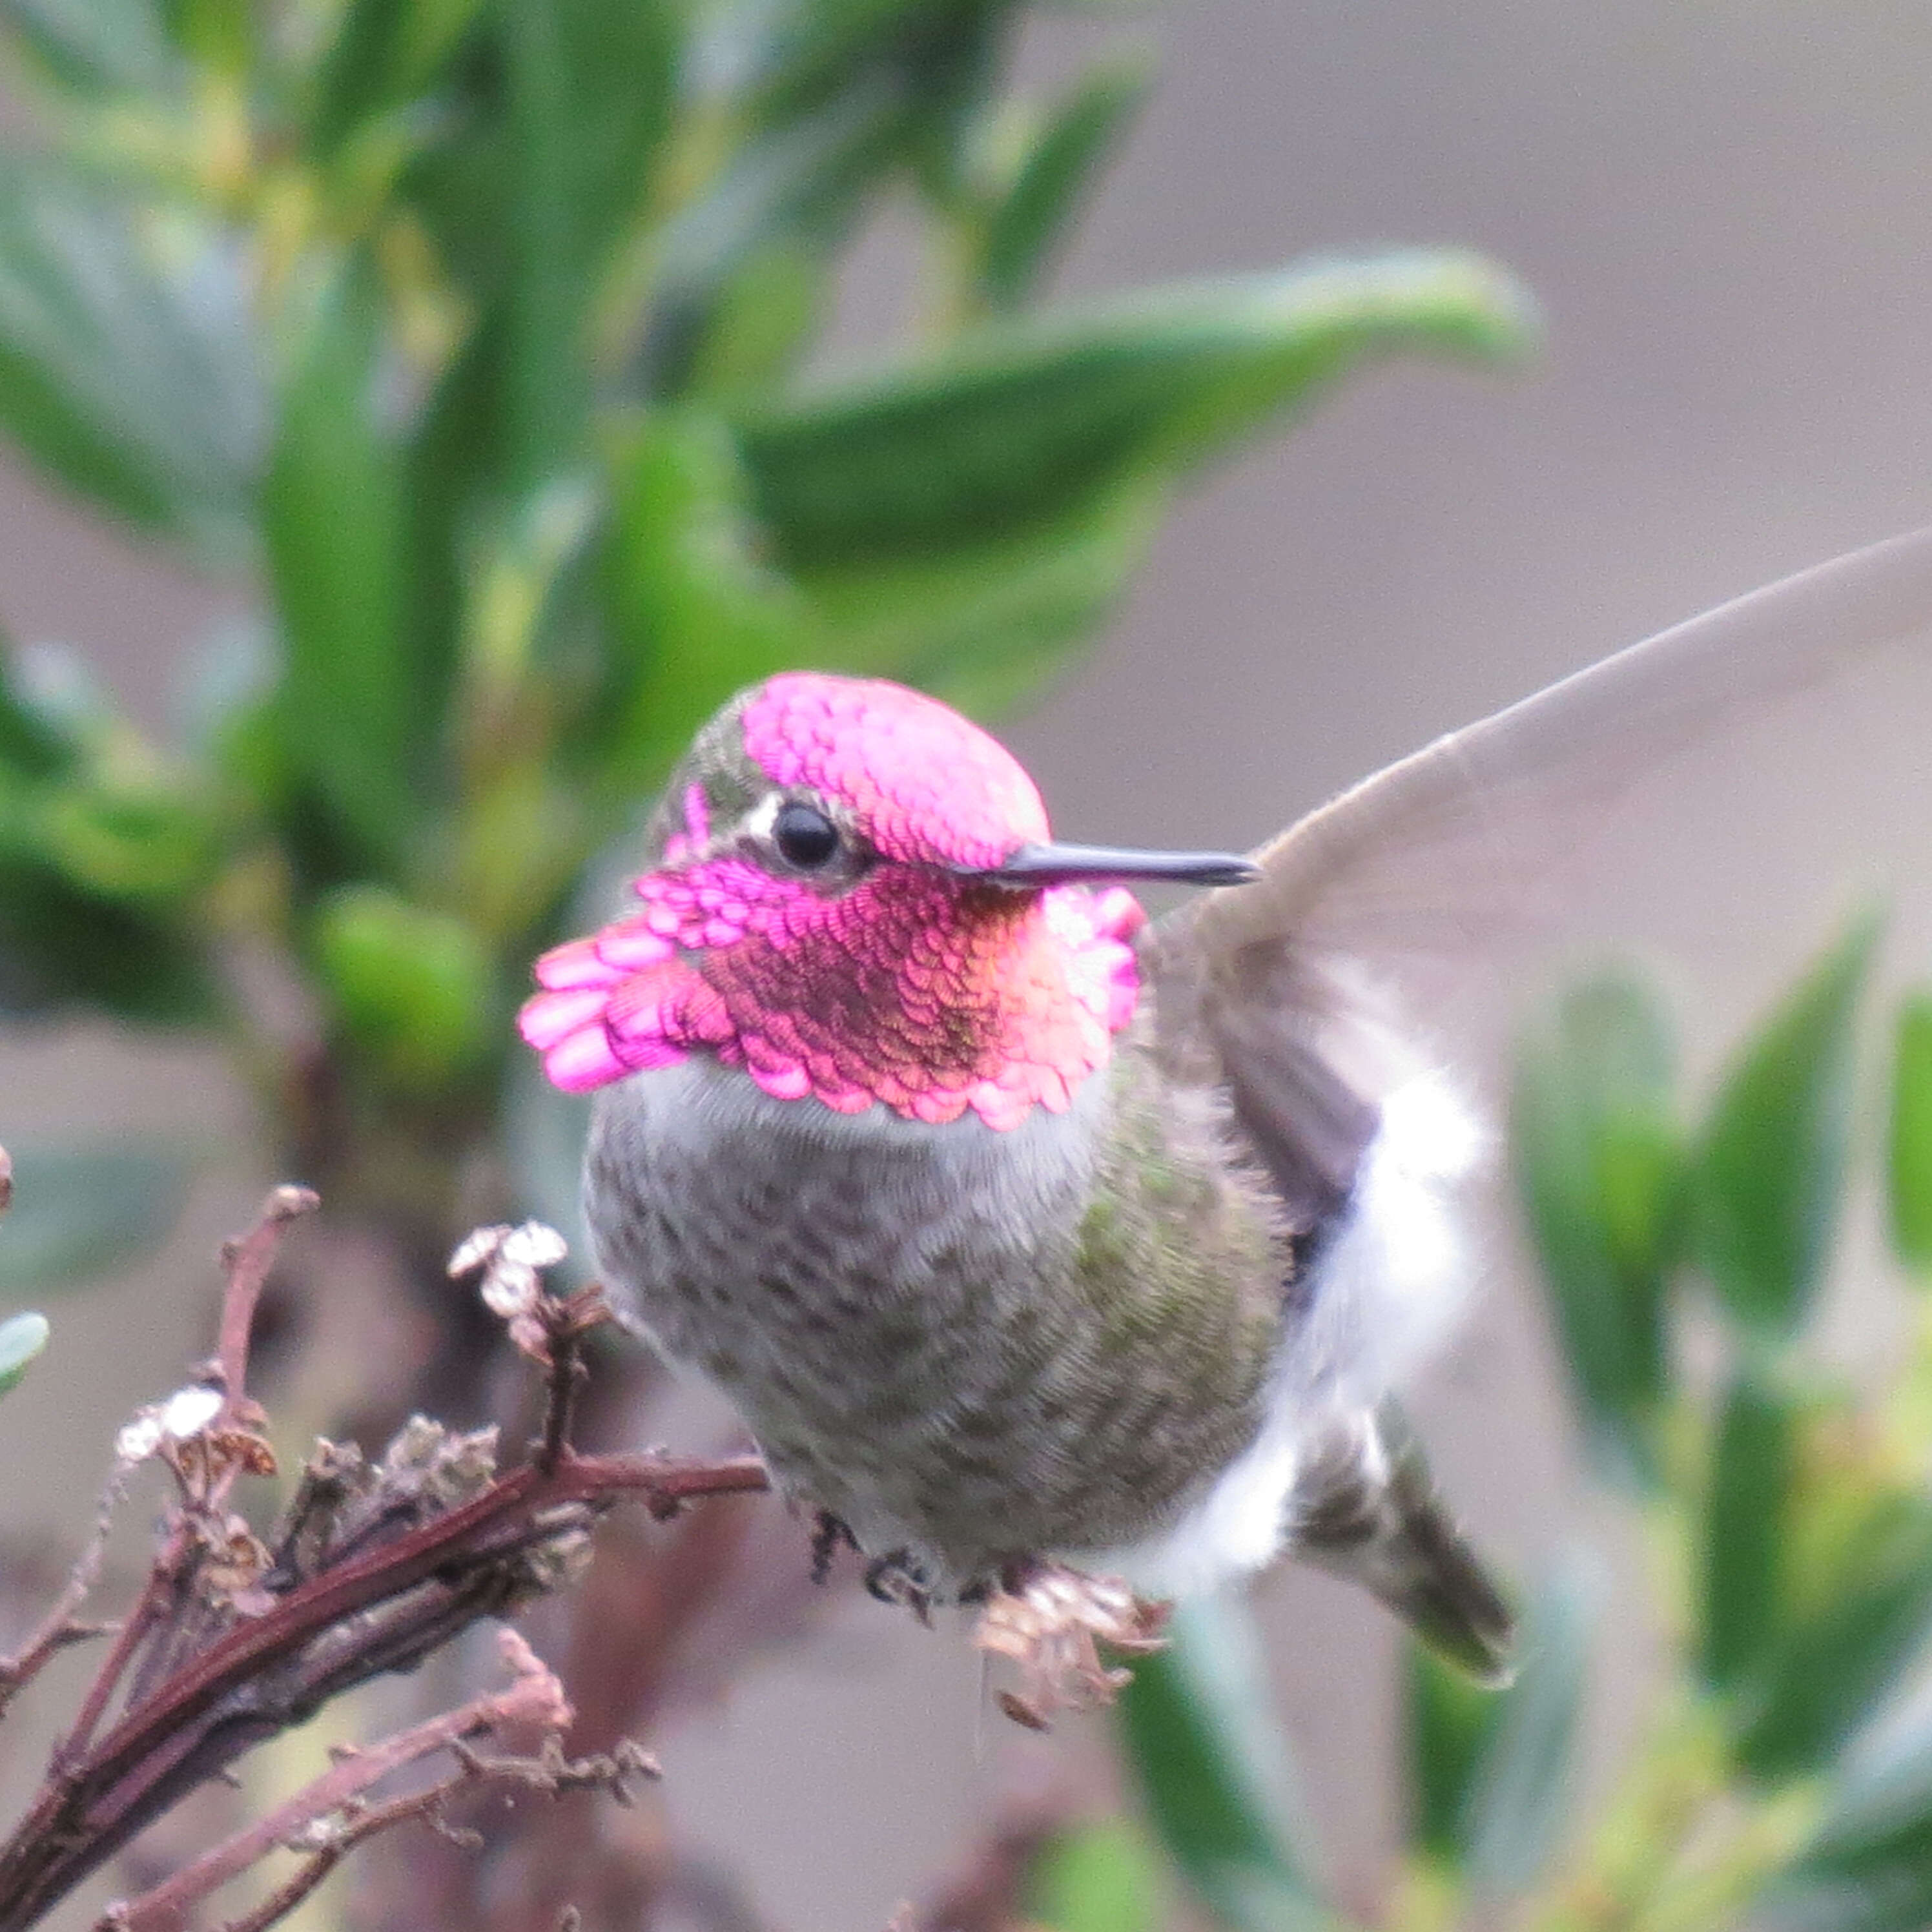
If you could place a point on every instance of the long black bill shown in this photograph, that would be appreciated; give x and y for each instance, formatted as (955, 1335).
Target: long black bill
(1057, 864)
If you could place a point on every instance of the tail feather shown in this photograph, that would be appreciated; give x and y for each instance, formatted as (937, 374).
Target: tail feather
(1367, 1509)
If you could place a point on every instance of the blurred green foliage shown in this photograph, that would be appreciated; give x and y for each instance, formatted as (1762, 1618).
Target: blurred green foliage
(478, 338)
(1784, 1779)
(1197, 1726)
(22, 1338)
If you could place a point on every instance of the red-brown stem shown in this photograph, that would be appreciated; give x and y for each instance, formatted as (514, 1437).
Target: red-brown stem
(61, 1627)
(97, 1795)
(101, 1790)
(44, 1642)
(247, 1263)
(378, 1818)
(134, 1626)
(667, 1481)
(534, 1698)
(570, 1322)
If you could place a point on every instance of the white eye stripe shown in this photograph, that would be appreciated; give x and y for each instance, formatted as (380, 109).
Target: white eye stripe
(759, 822)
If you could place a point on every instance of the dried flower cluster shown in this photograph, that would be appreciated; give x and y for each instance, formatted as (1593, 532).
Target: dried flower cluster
(1051, 1622)
(371, 1565)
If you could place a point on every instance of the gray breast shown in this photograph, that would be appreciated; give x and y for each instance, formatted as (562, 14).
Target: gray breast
(875, 1294)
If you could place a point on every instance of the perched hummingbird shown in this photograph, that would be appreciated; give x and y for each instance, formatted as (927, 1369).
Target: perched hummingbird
(1020, 1229)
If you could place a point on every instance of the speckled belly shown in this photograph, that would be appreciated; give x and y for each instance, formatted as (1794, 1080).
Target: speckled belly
(903, 1314)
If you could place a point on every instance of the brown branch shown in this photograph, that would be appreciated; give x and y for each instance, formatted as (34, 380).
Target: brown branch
(378, 1568)
(134, 1628)
(534, 1699)
(551, 1773)
(246, 1263)
(378, 1818)
(61, 1626)
(260, 1676)
(505, 1520)
(565, 1324)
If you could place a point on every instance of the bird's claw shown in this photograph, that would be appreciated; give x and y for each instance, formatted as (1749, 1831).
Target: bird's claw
(828, 1532)
(896, 1578)
(1051, 1622)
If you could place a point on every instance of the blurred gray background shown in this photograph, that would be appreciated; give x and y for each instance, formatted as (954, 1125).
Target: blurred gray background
(1722, 206)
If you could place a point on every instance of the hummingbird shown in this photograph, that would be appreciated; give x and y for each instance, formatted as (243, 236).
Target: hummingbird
(1022, 1229)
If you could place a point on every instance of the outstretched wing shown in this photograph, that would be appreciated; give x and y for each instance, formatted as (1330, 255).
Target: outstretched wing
(1398, 905)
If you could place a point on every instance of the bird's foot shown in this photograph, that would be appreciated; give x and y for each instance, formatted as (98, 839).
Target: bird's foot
(1051, 1622)
(828, 1533)
(899, 1577)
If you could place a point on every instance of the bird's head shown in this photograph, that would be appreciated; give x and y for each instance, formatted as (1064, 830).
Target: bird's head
(852, 895)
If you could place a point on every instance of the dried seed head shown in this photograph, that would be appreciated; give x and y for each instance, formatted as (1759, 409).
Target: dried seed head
(183, 1416)
(189, 1411)
(534, 1245)
(237, 1560)
(1052, 1624)
(424, 1459)
(512, 1260)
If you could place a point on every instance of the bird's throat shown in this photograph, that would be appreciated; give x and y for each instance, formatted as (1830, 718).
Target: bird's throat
(914, 990)
(930, 997)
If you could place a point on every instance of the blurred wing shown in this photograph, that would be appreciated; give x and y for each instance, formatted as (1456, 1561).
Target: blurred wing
(1398, 903)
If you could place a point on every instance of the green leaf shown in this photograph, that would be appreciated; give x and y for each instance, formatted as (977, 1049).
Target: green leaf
(139, 839)
(695, 615)
(1096, 1878)
(962, 527)
(333, 512)
(949, 65)
(589, 89)
(452, 510)
(1910, 1173)
(1021, 424)
(1452, 1722)
(217, 34)
(788, 54)
(40, 737)
(1771, 1167)
(1599, 1165)
(985, 624)
(539, 187)
(383, 52)
(1743, 1538)
(1836, 1665)
(1521, 1796)
(1073, 144)
(534, 201)
(22, 1338)
(127, 371)
(762, 320)
(414, 989)
(80, 1213)
(1868, 1867)
(95, 46)
(797, 190)
(1199, 1734)
(62, 948)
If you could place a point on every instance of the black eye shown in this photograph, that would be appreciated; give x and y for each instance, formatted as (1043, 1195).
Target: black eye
(805, 838)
